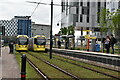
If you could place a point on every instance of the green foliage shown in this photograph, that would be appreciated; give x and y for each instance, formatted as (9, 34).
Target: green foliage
(116, 20)
(109, 20)
(71, 30)
(59, 32)
(104, 18)
(64, 31)
(67, 30)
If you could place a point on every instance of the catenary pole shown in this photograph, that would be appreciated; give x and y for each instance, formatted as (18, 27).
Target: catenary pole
(51, 41)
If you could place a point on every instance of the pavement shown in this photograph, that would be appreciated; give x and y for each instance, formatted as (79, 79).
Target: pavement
(8, 65)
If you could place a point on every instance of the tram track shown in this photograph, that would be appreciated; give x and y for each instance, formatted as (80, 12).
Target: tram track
(88, 68)
(68, 57)
(56, 67)
(44, 76)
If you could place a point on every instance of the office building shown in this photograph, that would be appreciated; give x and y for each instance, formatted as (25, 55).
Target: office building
(82, 14)
(19, 25)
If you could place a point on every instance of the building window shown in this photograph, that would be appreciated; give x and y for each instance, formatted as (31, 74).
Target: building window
(76, 17)
(77, 10)
(81, 3)
(63, 6)
(88, 3)
(98, 4)
(76, 4)
(81, 18)
(98, 18)
(67, 7)
(85, 10)
(82, 10)
(88, 11)
(104, 4)
(87, 18)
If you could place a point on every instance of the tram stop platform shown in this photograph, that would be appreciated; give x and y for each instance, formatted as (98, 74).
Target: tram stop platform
(8, 65)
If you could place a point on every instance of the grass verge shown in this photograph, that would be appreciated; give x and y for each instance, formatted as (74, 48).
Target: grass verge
(30, 72)
(78, 71)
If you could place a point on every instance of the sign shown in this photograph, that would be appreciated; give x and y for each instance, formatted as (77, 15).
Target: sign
(87, 36)
(87, 30)
(92, 37)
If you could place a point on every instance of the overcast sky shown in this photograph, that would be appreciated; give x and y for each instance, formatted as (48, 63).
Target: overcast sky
(11, 8)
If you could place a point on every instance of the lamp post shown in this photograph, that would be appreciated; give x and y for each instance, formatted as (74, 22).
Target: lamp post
(51, 41)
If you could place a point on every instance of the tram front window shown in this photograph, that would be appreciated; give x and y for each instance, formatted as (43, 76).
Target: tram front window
(40, 41)
(23, 41)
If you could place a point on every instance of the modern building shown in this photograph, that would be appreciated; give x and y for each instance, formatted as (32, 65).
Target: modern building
(113, 5)
(82, 14)
(23, 25)
(10, 27)
(40, 29)
(19, 25)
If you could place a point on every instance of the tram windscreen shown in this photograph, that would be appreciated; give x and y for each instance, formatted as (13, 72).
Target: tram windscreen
(40, 41)
(23, 40)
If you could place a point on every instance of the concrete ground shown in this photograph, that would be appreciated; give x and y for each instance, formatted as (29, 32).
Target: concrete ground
(9, 65)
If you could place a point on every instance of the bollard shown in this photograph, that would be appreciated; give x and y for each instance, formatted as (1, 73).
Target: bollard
(23, 67)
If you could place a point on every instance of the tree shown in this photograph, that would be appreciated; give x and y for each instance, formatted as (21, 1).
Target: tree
(104, 16)
(115, 19)
(103, 20)
(110, 20)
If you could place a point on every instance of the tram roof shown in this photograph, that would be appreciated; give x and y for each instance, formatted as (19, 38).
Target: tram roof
(22, 36)
(39, 36)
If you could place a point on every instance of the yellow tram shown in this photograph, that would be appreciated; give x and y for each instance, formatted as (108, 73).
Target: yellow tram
(37, 43)
(21, 43)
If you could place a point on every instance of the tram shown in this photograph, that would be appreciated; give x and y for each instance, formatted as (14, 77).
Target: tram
(37, 43)
(21, 43)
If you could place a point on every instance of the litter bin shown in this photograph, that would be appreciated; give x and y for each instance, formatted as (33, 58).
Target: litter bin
(97, 47)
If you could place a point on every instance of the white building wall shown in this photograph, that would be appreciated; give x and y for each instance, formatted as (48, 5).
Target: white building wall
(93, 16)
(41, 29)
(112, 5)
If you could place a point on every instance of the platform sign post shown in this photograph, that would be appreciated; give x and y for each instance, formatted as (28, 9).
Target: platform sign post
(88, 44)
(88, 41)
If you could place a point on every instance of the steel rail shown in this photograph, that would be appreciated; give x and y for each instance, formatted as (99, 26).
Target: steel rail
(56, 67)
(87, 68)
(88, 63)
(37, 69)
